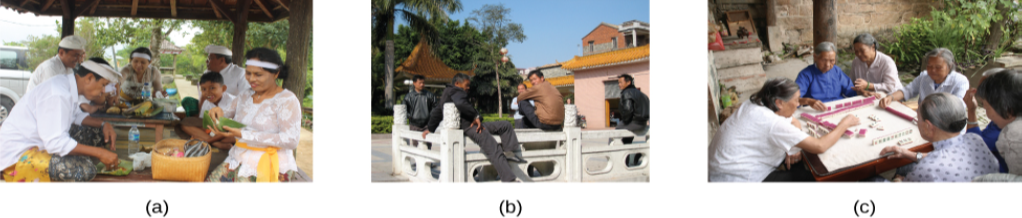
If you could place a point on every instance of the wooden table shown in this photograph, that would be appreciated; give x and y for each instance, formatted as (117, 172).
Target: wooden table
(157, 122)
(861, 171)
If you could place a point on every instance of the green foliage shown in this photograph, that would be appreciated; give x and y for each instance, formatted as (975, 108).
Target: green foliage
(493, 118)
(960, 26)
(382, 124)
(40, 48)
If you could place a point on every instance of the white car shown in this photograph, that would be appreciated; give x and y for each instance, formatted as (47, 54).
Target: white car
(14, 77)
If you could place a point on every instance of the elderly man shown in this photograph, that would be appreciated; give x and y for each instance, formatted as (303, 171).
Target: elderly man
(481, 133)
(36, 135)
(219, 60)
(548, 111)
(822, 81)
(956, 157)
(519, 123)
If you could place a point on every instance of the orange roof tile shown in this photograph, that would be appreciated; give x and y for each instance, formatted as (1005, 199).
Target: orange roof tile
(557, 81)
(607, 58)
(422, 62)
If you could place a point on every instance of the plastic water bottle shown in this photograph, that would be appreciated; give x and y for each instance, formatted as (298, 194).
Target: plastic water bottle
(133, 138)
(147, 92)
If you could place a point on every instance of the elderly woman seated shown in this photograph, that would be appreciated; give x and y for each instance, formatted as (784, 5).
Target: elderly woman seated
(822, 81)
(956, 157)
(872, 70)
(992, 130)
(1002, 99)
(760, 136)
(939, 76)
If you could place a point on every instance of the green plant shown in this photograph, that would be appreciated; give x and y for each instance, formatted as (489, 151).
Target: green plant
(960, 26)
(382, 124)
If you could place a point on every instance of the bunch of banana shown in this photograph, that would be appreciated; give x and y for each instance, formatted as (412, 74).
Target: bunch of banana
(145, 109)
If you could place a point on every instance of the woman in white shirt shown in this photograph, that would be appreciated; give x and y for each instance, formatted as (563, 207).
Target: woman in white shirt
(138, 73)
(760, 136)
(264, 151)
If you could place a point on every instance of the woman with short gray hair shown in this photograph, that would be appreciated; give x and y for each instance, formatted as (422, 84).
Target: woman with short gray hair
(872, 70)
(939, 76)
(823, 81)
(956, 157)
(762, 134)
(1001, 96)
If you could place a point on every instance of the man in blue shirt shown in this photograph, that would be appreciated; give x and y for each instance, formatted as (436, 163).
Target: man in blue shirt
(822, 81)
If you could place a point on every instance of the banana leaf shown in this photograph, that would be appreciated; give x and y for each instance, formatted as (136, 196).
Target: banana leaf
(219, 125)
(123, 168)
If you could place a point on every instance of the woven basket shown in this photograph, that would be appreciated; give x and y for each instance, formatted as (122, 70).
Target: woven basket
(188, 169)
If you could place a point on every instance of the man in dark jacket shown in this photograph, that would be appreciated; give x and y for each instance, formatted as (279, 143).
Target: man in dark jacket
(419, 102)
(481, 133)
(634, 107)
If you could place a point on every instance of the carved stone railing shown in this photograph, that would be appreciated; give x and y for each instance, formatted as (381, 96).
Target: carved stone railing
(549, 155)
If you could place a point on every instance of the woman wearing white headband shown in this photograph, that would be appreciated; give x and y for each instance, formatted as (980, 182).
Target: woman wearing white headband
(265, 146)
(138, 73)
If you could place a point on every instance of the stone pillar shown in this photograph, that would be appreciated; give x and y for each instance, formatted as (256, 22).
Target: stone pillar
(824, 21)
(635, 39)
(573, 144)
(452, 147)
(397, 162)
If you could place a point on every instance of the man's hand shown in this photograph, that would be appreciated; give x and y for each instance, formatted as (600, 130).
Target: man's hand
(110, 136)
(969, 99)
(424, 133)
(109, 159)
(817, 104)
(886, 101)
(849, 121)
(795, 158)
(861, 84)
(898, 152)
(477, 123)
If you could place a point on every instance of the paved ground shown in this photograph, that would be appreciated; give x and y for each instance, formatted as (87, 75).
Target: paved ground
(381, 158)
(304, 152)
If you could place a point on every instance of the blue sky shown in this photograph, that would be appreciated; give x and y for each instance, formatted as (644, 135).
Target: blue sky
(554, 29)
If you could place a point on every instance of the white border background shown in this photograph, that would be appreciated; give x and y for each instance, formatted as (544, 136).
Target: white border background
(678, 186)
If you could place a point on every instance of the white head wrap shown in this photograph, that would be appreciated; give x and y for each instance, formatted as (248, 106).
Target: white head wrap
(73, 42)
(266, 65)
(220, 50)
(141, 55)
(103, 70)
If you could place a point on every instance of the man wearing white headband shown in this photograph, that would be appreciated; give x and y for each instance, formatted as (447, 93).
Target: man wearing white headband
(219, 60)
(69, 53)
(37, 134)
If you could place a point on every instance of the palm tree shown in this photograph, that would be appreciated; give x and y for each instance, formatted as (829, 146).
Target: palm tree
(418, 14)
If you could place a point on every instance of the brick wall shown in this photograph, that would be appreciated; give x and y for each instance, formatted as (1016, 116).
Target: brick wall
(601, 35)
(795, 17)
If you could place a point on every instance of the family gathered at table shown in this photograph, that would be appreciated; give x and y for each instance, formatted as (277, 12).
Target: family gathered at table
(754, 144)
(51, 135)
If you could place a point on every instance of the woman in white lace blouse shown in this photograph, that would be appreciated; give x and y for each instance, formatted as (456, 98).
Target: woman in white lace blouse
(265, 146)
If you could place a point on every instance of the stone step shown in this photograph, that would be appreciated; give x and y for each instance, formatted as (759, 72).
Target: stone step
(740, 71)
(737, 57)
(745, 85)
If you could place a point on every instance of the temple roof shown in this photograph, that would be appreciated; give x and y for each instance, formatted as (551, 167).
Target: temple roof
(258, 11)
(422, 62)
(610, 58)
(561, 81)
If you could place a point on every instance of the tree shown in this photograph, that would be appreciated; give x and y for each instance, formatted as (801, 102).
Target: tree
(416, 13)
(495, 24)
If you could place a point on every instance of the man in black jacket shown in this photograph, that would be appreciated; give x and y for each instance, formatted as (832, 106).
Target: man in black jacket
(419, 102)
(481, 133)
(634, 107)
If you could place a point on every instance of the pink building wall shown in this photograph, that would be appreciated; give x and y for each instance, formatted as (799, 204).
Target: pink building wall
(589, 89)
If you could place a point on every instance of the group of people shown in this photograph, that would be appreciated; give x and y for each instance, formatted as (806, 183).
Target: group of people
(538, 107)
(50, 135)
(763, 138)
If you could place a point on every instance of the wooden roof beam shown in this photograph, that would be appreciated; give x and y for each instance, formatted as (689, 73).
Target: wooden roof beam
(283, 5)
(23, 3)
(47, 5)
(263, 7)
(218, 5)
(93, 10)
(173, 8)
(87, 6)
(134, 7)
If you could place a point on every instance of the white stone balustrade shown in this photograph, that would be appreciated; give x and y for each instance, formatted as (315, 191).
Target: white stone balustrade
(551, 156)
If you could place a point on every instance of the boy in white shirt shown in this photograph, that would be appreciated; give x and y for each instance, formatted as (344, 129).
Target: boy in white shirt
(216, 95)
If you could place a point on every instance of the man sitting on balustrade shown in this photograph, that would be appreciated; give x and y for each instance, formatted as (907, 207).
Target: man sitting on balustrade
(548, 111)
(481, 133)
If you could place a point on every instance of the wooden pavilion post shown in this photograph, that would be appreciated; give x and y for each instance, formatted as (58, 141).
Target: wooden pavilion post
(824, 21)
(240, 28)
(67, 24)
(298, 45)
